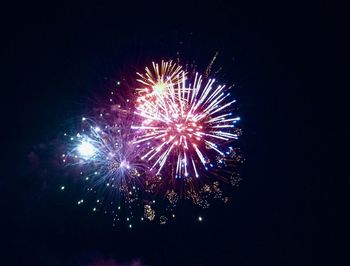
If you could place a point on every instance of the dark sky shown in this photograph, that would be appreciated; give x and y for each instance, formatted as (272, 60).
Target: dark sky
(56, 59)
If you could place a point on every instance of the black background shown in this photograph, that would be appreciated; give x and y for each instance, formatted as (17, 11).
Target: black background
(57, 58)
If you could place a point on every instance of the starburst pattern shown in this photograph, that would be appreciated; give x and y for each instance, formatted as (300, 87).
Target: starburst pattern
(175, 139)
(180, 127)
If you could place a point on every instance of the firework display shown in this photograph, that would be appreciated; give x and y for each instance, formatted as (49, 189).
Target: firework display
(176, 141)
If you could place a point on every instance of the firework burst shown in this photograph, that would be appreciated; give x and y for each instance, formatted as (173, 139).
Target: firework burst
(188, 129)
(108, 160)
(155, 80)
(175, 137)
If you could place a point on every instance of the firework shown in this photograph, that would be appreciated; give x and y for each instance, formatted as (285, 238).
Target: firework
(108, 160)
(156, 80)
(180, 127)
(175, 138)
(188, 132)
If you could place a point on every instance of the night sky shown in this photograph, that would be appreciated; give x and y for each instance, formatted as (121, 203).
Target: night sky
(58, 62)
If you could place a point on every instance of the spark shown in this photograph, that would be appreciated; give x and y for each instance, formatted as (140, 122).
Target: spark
(86, 150)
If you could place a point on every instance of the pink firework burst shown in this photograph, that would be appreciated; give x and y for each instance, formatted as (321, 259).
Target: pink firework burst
(188, 127)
